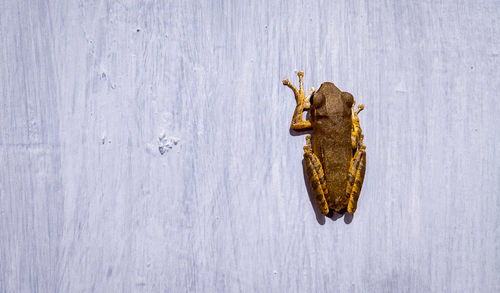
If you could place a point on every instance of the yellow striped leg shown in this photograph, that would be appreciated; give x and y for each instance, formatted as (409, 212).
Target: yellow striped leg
(355, 179)
(302, 104)
(316, 177)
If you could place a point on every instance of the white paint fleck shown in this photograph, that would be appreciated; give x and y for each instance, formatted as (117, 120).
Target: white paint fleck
(165, 143)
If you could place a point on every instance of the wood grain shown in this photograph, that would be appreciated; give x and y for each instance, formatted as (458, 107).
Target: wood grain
(91, 91)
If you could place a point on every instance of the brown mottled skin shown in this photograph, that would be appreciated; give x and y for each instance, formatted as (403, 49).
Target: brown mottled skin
(330, 117)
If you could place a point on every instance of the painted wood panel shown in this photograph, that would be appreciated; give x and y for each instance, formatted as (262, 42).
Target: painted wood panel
(145, 146)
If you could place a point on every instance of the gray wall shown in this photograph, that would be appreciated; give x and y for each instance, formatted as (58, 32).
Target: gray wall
(90, 91)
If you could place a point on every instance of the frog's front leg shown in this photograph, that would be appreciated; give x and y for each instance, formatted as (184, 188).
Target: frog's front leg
(302, 104)
(316, 177)
(356, 128)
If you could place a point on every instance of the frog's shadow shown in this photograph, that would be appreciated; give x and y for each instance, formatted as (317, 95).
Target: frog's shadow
(319, 216)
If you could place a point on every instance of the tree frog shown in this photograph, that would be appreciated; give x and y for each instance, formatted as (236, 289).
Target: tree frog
(334, 156)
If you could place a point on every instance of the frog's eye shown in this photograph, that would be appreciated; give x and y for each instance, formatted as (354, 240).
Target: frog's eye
(348, 99)
(316, 99)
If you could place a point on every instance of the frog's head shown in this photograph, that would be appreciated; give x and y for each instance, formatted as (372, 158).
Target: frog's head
(329, 101)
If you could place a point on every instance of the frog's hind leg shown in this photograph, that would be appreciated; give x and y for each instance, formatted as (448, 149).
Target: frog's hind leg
(316, 177)
(355, 178)
(356, 173)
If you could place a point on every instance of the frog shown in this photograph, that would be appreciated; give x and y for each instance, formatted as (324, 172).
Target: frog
(334, 154)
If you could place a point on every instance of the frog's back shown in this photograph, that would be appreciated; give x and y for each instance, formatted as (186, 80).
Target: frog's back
(332, 125)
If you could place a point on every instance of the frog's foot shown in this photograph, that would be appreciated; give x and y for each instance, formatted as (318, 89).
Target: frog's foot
(316, 177)
(360, 108)
(299, 94)
(291, 86)
(355, 179)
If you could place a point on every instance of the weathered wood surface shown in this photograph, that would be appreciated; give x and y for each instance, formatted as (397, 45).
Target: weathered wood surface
(91, 89)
